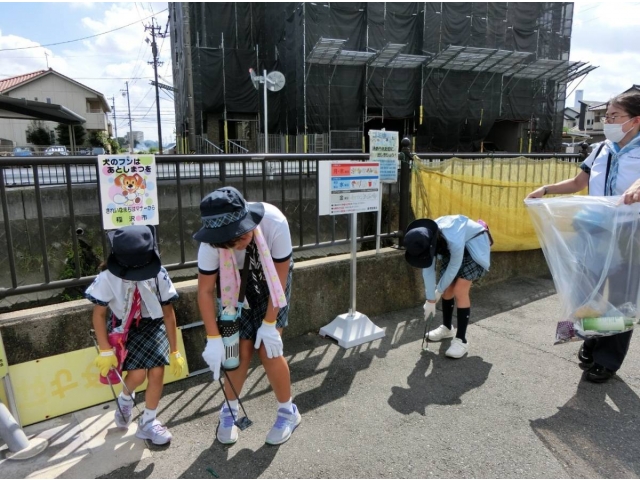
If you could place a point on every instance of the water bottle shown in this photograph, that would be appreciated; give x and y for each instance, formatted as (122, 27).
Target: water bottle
(230, 333)
(607, 324)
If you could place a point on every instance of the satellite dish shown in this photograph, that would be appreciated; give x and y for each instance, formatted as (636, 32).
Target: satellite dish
(275, 81)
(255, 79)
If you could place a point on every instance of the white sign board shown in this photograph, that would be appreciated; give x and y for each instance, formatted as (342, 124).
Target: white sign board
(383, 148)
(348, 187)
(128, 190)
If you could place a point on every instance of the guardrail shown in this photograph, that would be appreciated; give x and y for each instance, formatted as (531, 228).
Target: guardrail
(290, 183)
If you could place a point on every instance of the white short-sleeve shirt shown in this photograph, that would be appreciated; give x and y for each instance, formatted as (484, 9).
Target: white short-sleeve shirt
(275, 229)
(114, 292)
(596, 166)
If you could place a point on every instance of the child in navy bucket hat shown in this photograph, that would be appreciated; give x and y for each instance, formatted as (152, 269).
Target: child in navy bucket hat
(234, 230)
(463, 247)
(138, 291)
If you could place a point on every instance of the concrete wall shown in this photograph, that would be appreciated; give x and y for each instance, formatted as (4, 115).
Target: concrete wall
(321, 290)
(23, 213)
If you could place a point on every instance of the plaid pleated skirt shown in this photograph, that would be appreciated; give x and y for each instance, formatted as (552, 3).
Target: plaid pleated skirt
(258, 297)
(147, 345)
(469, 270)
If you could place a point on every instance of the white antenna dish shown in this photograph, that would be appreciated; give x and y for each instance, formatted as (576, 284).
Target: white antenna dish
(255, 79)
(275, 81)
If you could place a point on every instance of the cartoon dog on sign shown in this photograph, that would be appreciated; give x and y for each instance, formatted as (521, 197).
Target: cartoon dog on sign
(133, 187)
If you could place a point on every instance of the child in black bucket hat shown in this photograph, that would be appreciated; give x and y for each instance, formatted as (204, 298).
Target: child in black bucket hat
(231, 230)
(138, 291)
(464, 251)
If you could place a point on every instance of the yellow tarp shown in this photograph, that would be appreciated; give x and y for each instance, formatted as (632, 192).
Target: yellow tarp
(492, 190)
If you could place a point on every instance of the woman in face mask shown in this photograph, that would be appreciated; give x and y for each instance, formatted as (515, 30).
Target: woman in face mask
(612, 168)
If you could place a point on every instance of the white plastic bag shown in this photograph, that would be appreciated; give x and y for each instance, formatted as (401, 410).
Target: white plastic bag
(592, 247)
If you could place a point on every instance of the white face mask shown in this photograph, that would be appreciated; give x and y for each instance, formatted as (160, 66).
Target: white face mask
(614, 132)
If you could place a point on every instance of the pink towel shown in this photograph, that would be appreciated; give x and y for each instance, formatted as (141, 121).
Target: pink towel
(230, 274)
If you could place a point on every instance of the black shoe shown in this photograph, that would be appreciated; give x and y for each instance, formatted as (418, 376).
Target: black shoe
(585, 358)
(599, 374)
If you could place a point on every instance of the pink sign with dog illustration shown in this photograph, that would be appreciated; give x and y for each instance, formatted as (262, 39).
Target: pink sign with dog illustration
(128, 190)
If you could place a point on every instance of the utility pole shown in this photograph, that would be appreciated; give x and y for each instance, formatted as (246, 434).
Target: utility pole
(186, 32)
(126, 92)
(156, 31)
(115, 126)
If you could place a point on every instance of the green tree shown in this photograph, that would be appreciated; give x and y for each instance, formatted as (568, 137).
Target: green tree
(39, 134)
(115, 146)
(62, 132)
(98, 138)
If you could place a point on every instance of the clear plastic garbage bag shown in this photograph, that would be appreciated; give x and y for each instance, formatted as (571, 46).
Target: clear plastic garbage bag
(592, 247)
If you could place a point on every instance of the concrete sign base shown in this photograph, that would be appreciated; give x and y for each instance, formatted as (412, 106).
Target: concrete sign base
(352, 329)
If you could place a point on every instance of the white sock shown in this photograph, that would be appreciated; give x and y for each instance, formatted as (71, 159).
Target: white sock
(286, 405)
(233, 404)
(148, 415)
(125, 398)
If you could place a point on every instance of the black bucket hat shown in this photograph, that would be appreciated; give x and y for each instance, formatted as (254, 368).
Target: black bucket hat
(134, 253)
(420, 242)
(226, 215)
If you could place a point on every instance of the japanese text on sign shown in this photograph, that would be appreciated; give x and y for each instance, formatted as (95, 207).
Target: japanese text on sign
(383, 148)
(352, 187)
(128, 190)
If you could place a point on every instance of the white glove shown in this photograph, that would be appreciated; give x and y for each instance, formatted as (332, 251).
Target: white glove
(214, 355)
(268, 335)
(429, 309)
(438, 296)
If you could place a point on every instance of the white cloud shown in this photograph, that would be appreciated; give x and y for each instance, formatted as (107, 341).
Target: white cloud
(606, 35)
(105, 62)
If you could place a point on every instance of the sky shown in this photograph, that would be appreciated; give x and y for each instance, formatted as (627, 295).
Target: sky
(605, 34)
(103, 63)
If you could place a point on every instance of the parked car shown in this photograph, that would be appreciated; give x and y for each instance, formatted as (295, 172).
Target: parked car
(22, 152)
(56, 150)
(98, 151)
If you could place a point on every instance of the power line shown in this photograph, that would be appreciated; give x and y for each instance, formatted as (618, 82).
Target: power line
(78, 39)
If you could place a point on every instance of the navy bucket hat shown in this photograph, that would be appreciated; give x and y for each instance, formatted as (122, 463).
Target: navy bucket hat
(226, 215)
(420, 242)
(134, 253)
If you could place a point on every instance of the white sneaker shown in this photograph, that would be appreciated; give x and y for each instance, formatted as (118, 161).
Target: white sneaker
(457, 349)
(123, 414)
(227, 431)
(286, 423)
(154, 431)
(439, 333)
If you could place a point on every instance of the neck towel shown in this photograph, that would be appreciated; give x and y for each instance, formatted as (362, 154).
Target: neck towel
(230, 275)
(616, 152)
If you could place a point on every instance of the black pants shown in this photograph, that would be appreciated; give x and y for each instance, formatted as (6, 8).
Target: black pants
(610, 351)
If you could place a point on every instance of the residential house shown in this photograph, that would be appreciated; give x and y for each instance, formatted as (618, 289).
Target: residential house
(571, 117)
(52, 87)
(591, 115)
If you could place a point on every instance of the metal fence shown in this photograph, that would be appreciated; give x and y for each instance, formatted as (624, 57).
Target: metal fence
(287, 181)
(69, 185)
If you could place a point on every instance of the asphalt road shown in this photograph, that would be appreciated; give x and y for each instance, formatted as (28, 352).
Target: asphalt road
(515, 407)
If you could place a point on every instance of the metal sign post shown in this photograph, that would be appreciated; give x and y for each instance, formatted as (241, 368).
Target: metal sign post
(349, 188)
(273, 82)
(383, 148)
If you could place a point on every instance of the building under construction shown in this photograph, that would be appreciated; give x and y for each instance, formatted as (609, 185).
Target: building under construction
(452, 76)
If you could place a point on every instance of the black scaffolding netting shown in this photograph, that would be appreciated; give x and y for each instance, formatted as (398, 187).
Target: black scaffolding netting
(451, 71)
